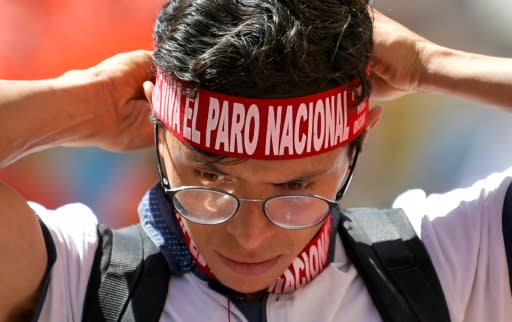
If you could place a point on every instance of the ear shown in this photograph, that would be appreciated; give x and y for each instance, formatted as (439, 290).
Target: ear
(374, 116)
(162, 146)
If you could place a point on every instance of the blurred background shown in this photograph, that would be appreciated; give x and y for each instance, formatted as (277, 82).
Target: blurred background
(424, 141)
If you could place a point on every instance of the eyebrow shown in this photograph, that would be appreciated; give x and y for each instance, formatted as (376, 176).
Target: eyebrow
(210, 166)
(302, 177)
(308, 176)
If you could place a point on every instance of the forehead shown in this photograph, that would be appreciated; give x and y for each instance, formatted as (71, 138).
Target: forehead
(261, 170)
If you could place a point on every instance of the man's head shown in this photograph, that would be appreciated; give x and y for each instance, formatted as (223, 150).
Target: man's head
(260, 49)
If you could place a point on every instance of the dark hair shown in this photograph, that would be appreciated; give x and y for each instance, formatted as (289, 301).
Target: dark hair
(265, 48)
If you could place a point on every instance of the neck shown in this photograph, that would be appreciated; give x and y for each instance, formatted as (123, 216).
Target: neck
(256, 296)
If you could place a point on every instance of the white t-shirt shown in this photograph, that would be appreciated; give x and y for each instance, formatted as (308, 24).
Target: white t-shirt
(462, 230)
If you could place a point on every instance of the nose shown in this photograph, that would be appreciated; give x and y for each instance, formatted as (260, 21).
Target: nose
(249, 226)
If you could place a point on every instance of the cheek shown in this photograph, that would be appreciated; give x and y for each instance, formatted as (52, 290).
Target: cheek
(201, 234)
(300, 238)
(208, 238)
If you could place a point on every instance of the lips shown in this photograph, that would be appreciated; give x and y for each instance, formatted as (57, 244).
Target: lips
(253, 268)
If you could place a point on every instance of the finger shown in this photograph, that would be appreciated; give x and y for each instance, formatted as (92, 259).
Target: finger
(136, 127)
(139, 63)
(148, 90)
(142, 62)
(382, 90)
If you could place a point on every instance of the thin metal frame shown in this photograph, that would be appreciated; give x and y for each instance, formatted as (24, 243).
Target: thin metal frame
(171, 192)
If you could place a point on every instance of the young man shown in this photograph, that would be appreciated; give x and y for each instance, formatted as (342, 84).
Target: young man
(241, 204)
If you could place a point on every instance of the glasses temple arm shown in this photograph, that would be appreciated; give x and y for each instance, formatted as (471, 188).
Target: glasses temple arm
(346, 184)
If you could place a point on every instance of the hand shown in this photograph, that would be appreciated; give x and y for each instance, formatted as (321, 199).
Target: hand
(398, 62)
(121, 120)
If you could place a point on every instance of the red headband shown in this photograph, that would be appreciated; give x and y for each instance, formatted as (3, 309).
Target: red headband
(259, 128)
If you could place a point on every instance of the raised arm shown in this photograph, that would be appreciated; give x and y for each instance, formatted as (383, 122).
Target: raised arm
(102, 106)
(404, 62)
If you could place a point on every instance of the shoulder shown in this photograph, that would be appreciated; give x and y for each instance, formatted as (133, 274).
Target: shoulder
(484, 198)
(73, 230)
(70, 223)
(464, 233)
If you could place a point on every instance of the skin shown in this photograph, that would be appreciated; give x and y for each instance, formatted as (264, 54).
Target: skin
(233, 249)
(403, 62)
(101, 106)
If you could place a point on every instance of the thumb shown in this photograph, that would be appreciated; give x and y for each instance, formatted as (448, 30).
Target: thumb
(136, 130)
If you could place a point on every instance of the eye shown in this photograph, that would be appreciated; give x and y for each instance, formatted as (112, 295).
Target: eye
(297, 185)
(207, 176)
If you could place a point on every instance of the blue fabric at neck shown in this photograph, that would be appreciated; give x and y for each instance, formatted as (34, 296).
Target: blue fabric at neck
(158, 220)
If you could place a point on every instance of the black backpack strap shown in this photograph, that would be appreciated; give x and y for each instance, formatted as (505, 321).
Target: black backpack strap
(394, 265)
(129, 278)
(148, 300)
(507, 230)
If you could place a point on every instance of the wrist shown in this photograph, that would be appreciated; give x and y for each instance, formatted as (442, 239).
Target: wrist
(38, 115)
(77, 91)
(437, 71)
(80, 92)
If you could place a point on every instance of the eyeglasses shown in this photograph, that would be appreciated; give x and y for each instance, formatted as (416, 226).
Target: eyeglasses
(212, 206)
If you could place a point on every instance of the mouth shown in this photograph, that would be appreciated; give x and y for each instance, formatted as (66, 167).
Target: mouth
(252, 268)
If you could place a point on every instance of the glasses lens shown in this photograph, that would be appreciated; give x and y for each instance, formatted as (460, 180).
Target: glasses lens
(296, 211)
(205, 206)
